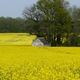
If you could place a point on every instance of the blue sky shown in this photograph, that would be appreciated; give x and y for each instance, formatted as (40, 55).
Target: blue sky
(14, 8)
(75, 2)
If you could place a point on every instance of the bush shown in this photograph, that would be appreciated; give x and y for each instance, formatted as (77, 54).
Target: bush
(74, 40)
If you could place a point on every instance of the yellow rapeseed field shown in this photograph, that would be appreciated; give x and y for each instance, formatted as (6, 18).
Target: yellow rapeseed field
(16, 39)
(23, 62)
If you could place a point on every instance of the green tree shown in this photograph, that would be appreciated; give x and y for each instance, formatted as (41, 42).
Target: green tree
(57, 15)
(33, 17)
(76, 20)
(52, 19)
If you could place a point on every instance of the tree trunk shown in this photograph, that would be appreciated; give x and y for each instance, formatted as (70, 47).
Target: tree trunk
(59, 42)
(53, 41)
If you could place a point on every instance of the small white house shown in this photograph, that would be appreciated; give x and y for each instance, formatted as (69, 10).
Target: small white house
(37, 42)
(40, 41)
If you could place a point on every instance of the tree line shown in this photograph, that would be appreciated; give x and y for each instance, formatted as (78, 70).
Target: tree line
(55, 20)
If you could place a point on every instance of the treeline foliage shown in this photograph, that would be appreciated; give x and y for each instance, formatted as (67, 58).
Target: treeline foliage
(56, 21)
(9, 24)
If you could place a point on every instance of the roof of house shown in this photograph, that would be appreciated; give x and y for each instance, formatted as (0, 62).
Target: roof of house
(40, 41)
